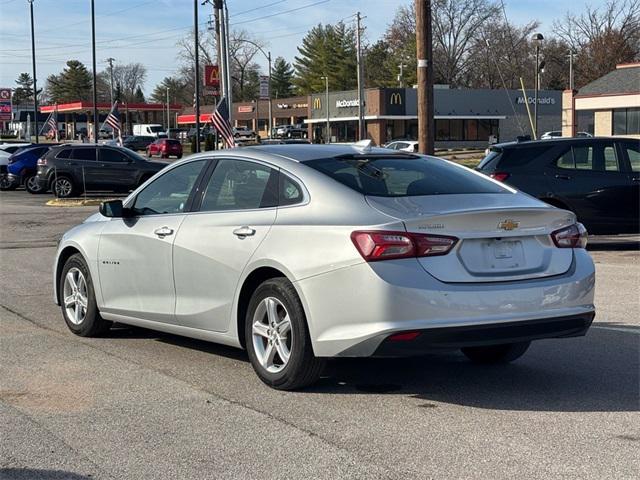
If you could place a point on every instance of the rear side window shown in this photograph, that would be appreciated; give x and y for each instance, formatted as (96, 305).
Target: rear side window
(633, 153)
(84, 154)
(597, 157)
(290, 191)
(402, 177)
(491, 160)
(64, 153)
(515, 157)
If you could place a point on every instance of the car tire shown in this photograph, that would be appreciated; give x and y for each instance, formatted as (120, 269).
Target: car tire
(78, 299)
(62, 186)
(179, 156)
(265, 342)
(505, 353)
(32, 185)
(6, 184)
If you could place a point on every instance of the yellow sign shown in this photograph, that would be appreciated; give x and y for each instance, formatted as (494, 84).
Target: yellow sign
(396, 99)
(508, 225)
(317, 104)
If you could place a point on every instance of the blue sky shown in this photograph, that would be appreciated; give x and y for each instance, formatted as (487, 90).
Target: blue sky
(146, 31)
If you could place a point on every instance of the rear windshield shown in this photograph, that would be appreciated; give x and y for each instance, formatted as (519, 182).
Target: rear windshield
(404, 177)
(172, 142)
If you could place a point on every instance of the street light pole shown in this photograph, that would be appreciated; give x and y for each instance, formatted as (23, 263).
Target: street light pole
(110, 61)
(537, 40)
(33, 66)
(361, 125)
(326, 101)
(93, 58)
(270, 98)
(168, 114)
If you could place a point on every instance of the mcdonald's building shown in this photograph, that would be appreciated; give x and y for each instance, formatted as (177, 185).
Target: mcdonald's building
(470, 118)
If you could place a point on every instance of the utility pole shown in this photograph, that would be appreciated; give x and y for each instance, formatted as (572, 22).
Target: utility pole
(33, 66)
(537, 40)
(361, 126)
(326, 101)
(571, 55)
(110, 61)
(270, 98)
(197, 73)
(227, 61)
(168, 114)
(93, 59)
(424, 45)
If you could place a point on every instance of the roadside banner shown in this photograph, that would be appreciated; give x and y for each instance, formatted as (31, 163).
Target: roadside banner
(264, 87)
(5, 105)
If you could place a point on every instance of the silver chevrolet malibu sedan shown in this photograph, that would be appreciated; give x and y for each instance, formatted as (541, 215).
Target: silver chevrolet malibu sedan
(298, 253)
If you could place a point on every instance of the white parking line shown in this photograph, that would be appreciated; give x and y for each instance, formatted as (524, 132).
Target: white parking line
(619, 329)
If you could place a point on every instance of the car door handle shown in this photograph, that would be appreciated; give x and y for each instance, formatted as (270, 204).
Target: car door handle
(244, 232)
(563, 177)
(163, 231)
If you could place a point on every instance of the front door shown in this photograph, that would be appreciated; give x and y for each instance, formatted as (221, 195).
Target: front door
(135, 255)
(115, 169)
(215, 244)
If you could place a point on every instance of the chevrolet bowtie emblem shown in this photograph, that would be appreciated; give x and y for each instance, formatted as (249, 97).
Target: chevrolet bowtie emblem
(508, 225)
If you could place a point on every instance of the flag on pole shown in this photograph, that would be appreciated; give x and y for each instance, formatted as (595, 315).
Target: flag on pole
(51, 124)
(113, 120)
(220, 120)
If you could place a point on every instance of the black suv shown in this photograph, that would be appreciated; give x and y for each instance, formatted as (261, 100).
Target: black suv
(596, 178)
(70, 169)
(138, 142)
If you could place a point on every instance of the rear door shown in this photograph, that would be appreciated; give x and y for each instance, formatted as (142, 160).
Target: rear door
(630, 152)
(590, 178)
(214, 245)
(84, 166)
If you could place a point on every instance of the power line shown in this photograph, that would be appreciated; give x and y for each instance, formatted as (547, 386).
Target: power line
(280, 13)
(257, 8)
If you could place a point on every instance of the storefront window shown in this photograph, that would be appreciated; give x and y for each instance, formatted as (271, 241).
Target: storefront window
(442, 130)
(585, 121)
(471, 129)
(626, 121)
(456, 129)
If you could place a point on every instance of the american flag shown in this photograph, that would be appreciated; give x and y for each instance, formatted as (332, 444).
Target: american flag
(220, 120)
(113, 119)
(51, 124)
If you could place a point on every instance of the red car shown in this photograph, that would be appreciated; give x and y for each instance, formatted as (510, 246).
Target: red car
(165, 148)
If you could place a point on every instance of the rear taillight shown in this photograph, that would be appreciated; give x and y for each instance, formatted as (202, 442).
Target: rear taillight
(383, 245)
(574, 236)
(500, 176)
(42, 161)
(163, 147)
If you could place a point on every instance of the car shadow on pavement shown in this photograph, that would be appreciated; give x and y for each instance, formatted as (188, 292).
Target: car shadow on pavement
(600, 373)
(35, 474)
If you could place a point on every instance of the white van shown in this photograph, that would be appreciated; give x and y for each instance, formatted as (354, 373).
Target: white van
(148, 129)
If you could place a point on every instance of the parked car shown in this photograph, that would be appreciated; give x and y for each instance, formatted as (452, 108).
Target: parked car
(403, 145)
(243, 133)
(138, 142)
(22, 169)
(175, 133)
(11, 148)
(302, 252)
(558, 133)
(165, 148)
(596, 178)
(151, 129)
(292, 131)
(69, 169)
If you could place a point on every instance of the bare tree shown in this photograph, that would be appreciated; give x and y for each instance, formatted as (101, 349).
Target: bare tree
(602, 37)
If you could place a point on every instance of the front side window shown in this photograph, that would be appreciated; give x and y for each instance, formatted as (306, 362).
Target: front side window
(170, 192)
(240, 185)
(111, 155)
(633, 153)
(402, 177)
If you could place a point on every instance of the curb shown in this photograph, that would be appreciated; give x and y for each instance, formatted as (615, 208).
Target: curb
(75, 202)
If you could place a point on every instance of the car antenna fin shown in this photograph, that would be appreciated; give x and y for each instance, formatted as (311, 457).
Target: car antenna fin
(364, 146)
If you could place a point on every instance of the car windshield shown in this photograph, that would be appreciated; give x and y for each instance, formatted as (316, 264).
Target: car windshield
(156, 128)
(405, 176)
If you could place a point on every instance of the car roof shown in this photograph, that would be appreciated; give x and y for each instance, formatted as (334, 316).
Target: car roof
(550, 141)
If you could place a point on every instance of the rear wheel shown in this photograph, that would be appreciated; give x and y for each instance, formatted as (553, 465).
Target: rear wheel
(277, 337)
(32, 185)
(63, 187)
(78, 300)
(496, 353)
(6, 184)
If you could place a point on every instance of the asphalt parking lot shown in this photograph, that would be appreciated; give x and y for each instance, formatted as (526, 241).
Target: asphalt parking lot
(140, 404)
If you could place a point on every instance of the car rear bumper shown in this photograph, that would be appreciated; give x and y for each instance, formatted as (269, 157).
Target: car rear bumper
(352, 311)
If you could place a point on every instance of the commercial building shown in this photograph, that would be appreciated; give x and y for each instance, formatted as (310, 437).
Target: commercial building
(463, 117)
(607, 106)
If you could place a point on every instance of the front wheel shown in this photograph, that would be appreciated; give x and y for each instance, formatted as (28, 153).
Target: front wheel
(63, 187)
(32, 185)
(277, 337)
(78, 299)
(496, 353)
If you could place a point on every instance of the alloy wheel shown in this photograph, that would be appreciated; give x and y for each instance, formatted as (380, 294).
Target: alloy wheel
(75, 296)
(272, 334)
(63, 187)
(33, 185)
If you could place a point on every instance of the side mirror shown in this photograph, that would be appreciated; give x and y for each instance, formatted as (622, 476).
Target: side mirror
(112, 209)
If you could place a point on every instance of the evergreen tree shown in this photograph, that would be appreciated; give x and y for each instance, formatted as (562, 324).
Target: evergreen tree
(326, 50)
(72, 84)
(24, 91)
(177, 92)
(139, 96)
(281, 78)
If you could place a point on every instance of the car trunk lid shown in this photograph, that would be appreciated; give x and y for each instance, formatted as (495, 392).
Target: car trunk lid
(502, 237)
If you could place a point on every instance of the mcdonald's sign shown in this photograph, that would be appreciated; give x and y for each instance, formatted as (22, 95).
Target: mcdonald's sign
(395, 99)
(317, 103)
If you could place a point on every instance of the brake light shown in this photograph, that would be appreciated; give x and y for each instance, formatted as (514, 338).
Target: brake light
(404, 337)
(573, 236)
(42, 161)
(385, 245)
(500, 176)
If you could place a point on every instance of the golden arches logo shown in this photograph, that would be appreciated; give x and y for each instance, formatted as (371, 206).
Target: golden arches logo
(317, 103)
(395, 99)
